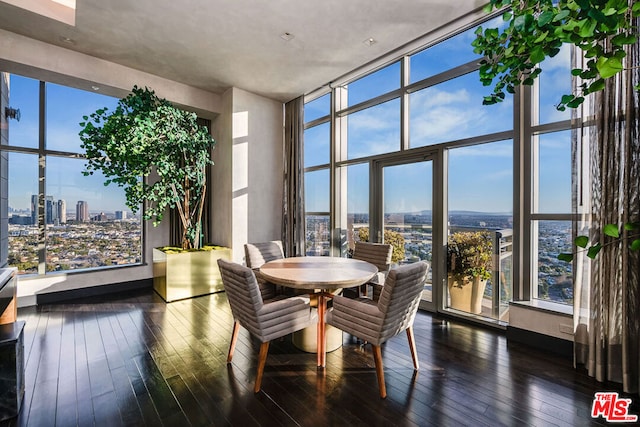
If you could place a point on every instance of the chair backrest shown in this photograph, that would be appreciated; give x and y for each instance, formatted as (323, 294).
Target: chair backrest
(257, 254)
(378, 254)
(400, 298)
(243, 294)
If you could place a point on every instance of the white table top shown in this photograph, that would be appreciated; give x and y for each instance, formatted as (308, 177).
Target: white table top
(318, 272)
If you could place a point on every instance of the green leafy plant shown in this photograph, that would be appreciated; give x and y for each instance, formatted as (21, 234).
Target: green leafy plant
(393, 238)
(469, 254)
(610, 230)
(146, 135)
(537, 29)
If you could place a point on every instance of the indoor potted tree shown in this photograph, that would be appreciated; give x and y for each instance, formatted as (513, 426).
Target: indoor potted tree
(469, 264)
(159, 155)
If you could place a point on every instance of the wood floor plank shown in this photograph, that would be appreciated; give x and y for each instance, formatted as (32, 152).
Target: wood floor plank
(189, 404)
(83, 382)
(133, 360)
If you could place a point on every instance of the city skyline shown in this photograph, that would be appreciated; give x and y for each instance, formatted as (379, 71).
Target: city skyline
(71, 210)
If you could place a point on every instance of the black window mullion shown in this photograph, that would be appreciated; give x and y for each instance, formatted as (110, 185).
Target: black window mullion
(42, 161)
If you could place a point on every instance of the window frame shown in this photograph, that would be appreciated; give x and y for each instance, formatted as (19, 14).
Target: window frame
(43, 154)
(526, 127)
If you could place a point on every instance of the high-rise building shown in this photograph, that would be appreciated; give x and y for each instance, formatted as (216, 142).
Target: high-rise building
(82, 211)
(101, 217)
(51, 211)
(121, 215)
(34, 209)
(62, 211)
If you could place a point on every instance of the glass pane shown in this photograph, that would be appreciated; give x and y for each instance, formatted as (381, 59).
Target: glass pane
(357, 202)
(65, 108)
(480, 198)
(554, 172)
(316, 191)
(317, 108)
(23, 212)
(443, 56)
(555, 277)
(374, 84)
(375, 130)
(453, 110)
(408, 214)
(24, 95)
(553, 82)
(88, 224)
(317, 235)
(316, 145)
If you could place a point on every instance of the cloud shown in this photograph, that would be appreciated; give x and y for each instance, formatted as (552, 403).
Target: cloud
(375, 130)
(492, 149)
(380, 117)
(561, 61)
(441, 115)
(556, 140)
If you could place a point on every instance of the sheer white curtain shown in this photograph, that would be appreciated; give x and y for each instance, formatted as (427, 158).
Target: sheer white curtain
(606, 294)
(293, 220)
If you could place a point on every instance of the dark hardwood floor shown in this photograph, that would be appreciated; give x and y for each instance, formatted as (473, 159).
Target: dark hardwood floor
(134, 360)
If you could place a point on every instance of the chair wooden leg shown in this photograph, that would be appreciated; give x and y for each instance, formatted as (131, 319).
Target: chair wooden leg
(377, 357)
(412, 347)
(234, 338)
(262, 359)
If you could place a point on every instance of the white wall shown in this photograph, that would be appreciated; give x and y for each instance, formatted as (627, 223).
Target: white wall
(221, 218)
(32, 58)
(248, 175)
(543, 318)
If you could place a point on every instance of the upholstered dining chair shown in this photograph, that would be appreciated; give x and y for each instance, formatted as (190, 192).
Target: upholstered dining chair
(264, 320)
(378, 254)
(257, 254)
(376, 322)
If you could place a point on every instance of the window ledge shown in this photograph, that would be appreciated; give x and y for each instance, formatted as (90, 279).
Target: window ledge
(547, 306)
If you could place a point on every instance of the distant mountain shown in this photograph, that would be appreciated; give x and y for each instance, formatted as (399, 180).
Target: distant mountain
(474, 213)
(429, 213)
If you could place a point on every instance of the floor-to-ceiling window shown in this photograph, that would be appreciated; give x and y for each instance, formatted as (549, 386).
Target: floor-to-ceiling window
(59, 219)
(413, 151)
(317, 149)
(549, 144)
(480, 199)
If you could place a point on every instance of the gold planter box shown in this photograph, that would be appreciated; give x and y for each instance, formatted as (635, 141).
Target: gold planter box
(188, 274)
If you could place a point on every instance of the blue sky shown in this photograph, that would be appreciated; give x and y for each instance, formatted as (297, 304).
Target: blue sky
(65, 108)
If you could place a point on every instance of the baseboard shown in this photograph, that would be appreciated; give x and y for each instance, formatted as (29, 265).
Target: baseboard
(92, 291)
(540, 341)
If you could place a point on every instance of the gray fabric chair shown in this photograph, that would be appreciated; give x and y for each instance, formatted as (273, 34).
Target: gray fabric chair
(256, 255)
(378, 254)
(264, 320)
(377, 321)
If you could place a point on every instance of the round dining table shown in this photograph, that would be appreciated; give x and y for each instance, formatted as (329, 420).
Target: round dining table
(318, 275)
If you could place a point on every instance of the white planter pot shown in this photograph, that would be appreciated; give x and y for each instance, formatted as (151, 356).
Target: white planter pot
(467, 297)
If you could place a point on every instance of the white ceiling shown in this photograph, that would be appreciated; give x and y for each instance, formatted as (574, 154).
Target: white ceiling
(217, 44)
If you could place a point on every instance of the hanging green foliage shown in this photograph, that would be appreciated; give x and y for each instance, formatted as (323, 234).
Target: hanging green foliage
(146, 135)
(536, 30)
